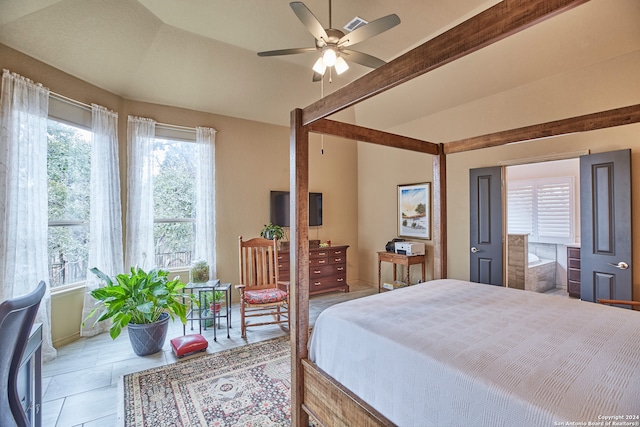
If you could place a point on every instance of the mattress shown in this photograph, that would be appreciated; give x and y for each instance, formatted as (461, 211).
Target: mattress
(456, 353)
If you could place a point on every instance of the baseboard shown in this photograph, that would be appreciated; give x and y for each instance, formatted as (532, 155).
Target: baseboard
(66, 340)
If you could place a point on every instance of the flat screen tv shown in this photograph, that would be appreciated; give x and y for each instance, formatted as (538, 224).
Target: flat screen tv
(280, 207)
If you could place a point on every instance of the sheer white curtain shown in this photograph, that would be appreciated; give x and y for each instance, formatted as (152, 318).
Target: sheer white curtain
(140, 248)
(105, 225)
(205, 236)
(23, 195)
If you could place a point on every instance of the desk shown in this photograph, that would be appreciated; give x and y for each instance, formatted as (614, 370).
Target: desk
(399, 259)
(202, 312)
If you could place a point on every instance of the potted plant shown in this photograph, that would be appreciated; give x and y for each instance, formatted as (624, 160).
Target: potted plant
(271, 231)
(144, 302)
(212, 303)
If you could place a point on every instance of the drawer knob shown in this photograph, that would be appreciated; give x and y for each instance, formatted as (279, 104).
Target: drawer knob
(340, 268)
(316, 271)
(340, 280)
(317, 283)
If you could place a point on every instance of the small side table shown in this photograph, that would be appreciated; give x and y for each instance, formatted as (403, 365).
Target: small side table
(399, 259)
(226, 288)
(197, 313)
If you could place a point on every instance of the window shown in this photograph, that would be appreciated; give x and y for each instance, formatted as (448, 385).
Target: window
(69, 174)
(174, 201)
(542, 208)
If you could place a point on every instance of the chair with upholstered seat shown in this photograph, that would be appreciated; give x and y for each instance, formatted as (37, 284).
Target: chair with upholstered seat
(261, 294)
(16, 319)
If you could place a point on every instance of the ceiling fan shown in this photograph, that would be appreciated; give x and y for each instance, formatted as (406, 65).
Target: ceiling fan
(333, 43)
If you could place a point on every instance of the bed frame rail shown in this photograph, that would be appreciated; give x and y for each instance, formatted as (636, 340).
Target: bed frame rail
(331, 404)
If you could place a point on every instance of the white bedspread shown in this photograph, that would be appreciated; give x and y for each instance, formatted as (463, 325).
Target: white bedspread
(454, 353)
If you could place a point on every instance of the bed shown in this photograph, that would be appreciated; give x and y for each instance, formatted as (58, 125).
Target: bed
(323, 395)
(455, 353)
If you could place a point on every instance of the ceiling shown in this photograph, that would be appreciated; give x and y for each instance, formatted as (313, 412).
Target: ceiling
(201, 54)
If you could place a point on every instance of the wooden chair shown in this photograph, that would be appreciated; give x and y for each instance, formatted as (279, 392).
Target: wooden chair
(618, 302)
(260, 294)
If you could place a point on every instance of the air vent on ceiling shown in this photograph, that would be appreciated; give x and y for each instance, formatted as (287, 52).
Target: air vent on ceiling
(355, 23)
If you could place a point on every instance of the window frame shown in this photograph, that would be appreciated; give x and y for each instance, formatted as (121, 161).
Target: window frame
(69, 114)
(183, 135)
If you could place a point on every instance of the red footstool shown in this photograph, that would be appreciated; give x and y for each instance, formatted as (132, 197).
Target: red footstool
(188, 344)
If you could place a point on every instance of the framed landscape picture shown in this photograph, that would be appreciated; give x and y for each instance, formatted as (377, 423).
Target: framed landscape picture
(414, 210)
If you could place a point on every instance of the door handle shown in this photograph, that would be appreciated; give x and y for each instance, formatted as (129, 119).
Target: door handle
(474, 250)
(621, 265)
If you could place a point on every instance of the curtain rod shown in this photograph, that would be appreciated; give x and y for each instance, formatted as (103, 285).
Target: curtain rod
(176, 127)
(88, 107)
(70, 100)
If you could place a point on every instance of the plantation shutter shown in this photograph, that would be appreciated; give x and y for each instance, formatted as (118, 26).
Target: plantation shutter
(520, 207)
(555, 213)
(541, 208)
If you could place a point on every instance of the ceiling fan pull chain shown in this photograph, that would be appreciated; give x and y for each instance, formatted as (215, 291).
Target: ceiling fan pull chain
(322, 134)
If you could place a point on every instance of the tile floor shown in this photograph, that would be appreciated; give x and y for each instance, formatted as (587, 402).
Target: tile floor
(80, 387)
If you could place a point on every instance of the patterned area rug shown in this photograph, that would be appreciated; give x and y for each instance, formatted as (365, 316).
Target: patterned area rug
(245, 386)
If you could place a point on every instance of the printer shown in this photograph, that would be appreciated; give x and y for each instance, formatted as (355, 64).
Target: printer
(410, 248)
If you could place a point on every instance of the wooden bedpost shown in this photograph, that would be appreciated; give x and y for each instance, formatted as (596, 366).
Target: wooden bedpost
(299, 256)
(440, 214)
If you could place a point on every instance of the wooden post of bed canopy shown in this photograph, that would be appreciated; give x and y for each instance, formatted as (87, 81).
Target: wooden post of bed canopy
(440, 214)
(299, 255)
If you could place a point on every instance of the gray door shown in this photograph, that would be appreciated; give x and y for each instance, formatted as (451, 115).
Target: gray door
(605, 209)
(485, 188)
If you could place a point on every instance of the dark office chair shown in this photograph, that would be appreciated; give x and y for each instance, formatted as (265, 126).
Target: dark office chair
(16, 319)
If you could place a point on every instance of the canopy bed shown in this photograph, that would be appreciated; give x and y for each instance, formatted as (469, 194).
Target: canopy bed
(313, 391)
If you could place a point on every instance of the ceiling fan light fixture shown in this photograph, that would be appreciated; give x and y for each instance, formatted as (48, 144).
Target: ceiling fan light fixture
(329, 57)
(319, 66)
(341, 65)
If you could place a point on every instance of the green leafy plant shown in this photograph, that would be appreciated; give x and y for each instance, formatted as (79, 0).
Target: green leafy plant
(139, 298)
(270, 231)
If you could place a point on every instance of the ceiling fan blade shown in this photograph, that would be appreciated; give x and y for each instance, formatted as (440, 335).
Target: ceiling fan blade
(363, 58)
(369, 30)
(316, 77)
(309, 20)
(287, 51)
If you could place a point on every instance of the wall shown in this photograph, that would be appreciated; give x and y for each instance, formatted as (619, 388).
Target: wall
(381, 169)
(252, 158)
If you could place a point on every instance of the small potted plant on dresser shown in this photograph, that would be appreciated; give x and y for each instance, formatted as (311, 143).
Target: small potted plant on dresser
(271, 231)
(143, 302)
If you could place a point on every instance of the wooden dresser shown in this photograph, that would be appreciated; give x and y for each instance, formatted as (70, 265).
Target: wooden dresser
(573, 271)
(327, 268)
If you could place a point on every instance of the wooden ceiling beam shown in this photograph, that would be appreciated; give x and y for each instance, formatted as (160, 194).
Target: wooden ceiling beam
(359, 133)
(601, 120)
(502, 20)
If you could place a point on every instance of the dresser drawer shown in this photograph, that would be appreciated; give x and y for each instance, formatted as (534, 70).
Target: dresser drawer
(338, 259)
(322, 253)
(573, 274)
(318, 262)
(321, 283)
(283, 257)
(322, 271)
(573, 253)
(337, 252)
